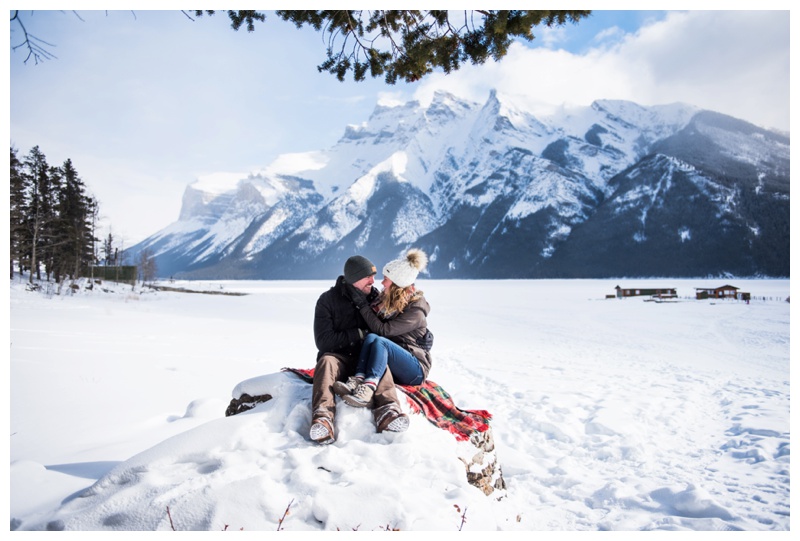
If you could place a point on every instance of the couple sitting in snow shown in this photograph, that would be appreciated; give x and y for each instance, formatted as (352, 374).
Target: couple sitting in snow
(368, 341)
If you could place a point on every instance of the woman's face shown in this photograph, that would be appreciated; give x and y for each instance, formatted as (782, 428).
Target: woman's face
(386, 283)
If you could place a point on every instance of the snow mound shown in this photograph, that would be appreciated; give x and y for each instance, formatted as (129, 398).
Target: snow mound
(246, 471)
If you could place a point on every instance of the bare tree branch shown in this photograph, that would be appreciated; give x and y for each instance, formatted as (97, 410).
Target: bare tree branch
(36, 46)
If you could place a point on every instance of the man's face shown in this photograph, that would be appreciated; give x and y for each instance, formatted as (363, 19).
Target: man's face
(365, 284)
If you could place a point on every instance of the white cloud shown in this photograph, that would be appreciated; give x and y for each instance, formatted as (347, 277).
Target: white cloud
(734, 62)
(550, 37)
(391, 99)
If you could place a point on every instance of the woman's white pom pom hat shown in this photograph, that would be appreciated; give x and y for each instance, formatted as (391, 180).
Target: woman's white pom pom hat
(403, 272)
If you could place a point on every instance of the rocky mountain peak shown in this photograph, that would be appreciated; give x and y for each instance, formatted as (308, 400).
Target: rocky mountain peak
(491, 190)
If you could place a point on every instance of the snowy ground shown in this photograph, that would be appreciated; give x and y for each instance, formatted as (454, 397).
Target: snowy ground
(608, 414)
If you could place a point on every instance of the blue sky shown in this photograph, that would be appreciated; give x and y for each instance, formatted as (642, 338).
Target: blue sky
(146, 102)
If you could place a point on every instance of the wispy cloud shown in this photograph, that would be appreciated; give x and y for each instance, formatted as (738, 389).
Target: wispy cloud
(608, 35)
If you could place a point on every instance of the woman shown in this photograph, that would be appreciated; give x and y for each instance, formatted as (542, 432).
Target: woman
(399, 337)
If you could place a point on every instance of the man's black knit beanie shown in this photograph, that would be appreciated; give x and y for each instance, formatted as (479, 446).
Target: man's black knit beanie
(358, 267)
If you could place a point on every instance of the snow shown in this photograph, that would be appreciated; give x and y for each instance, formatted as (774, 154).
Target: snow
(265, 232)
(608, 414)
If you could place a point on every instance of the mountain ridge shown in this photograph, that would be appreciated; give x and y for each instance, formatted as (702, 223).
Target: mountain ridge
(493, 191)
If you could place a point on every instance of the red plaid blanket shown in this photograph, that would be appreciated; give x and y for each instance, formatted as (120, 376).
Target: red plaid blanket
(435, 403)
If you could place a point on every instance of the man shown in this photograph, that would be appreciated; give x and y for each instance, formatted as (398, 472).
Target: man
(339, 330)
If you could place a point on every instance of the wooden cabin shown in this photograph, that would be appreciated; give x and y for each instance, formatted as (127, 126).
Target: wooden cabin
(660, 292)
(722, 292)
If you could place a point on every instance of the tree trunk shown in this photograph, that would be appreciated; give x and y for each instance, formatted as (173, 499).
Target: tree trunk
(34, 266)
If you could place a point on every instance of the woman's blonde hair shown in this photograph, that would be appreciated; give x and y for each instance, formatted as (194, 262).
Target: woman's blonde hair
(397, 298)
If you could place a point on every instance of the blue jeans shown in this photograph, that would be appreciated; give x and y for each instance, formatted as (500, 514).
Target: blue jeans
(378, 353)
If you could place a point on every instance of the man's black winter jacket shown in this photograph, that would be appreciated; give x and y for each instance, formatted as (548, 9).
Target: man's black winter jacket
(337, 322)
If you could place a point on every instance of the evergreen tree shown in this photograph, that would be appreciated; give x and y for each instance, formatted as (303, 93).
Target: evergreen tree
(18, 212)
(73, 242)
(94, 213)
(40, 215)
(108, 250)
(51, 234)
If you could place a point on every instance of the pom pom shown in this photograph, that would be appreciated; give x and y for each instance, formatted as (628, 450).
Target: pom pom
(417, 259)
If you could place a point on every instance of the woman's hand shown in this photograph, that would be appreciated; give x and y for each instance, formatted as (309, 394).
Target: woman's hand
(357, 296)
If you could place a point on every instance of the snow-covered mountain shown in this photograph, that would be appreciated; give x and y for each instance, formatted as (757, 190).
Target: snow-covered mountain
(492, 191)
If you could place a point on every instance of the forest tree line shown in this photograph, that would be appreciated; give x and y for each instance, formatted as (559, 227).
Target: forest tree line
(53, 220)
